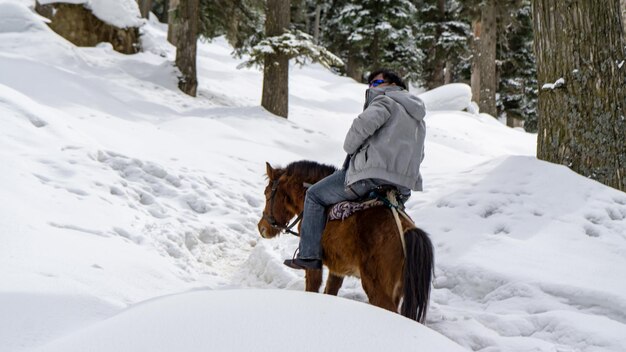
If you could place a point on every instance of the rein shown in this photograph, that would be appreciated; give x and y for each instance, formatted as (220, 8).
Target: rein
(272, 220)
(396, 208)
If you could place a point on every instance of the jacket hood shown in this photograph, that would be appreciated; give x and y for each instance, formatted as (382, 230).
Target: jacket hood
(413, 105)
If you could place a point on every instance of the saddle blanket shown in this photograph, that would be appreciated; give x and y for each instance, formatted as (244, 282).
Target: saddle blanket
(343, 210)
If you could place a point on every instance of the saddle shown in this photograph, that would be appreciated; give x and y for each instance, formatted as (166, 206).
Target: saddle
(375, 198)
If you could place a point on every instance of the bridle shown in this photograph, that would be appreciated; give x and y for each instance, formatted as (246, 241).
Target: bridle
(272, 220)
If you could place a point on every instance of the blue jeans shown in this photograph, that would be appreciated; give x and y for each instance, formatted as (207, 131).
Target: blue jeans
(322, 194)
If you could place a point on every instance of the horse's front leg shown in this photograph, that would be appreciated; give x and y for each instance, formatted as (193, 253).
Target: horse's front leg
(333, 284)
(313, 280)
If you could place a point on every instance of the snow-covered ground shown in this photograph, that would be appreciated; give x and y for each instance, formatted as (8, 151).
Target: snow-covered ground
(128, 214)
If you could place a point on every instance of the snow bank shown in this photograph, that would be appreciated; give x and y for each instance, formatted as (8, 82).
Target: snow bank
(254, 320)
(35, 318)
(16, 17)
(450, 97)
(533, 251)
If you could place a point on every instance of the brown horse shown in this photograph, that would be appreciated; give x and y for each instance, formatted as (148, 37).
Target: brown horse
(366, 244)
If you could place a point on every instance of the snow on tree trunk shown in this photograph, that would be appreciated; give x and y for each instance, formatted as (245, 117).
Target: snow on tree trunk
(582, 102)
(276, 66)
(187, 39)
(79, 25)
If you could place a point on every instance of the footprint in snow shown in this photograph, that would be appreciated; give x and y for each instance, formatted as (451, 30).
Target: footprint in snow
(616, 214)
(501, 229)
(591, 231)
(489, 211)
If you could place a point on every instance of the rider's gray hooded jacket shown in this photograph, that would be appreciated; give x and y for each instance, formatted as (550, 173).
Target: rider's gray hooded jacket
(386, 140)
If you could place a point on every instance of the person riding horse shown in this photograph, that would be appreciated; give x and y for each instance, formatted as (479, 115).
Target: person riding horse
(385, 147)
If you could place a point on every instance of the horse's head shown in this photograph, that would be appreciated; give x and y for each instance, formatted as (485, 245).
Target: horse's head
(280, 205)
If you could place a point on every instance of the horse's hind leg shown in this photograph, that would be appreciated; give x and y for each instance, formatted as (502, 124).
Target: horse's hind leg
(333, 284)
(376, 293)
(313, 280)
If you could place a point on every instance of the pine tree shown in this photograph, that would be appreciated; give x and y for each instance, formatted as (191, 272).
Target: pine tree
(240, 21)
(484, 80)
(306, 16)
(301, 15)
(444, 38)
(159, 9)
(372, 33)
(517, 86)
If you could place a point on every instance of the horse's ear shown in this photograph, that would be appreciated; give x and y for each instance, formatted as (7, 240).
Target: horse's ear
(269, 170)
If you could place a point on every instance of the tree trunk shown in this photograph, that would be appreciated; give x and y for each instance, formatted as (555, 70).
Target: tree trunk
(475, 77)
(440, 67)
(623, 10)
(582, 121)
(510, 121)
(187, 39)
(436, 75)
(447, 77)
(172, 21)
(276, 66)
(487, 59)
(144, 7)
(316, 25)
(354, 68)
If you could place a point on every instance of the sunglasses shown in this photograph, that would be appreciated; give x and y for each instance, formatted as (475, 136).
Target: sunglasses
(377, 82)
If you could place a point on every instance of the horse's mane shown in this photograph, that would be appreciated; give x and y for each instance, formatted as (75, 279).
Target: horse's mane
(309, 171)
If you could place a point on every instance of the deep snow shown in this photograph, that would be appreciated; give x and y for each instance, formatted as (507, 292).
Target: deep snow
(117, 189)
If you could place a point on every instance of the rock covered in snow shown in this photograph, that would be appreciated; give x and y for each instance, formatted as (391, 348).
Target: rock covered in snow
(118, 13)
(90, 22)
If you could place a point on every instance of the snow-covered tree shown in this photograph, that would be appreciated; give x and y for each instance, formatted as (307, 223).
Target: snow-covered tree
(240, 21)
(444, 38)
(517, 84)
(159, 9)
(374, 33)
(297, 45)
(484, 80)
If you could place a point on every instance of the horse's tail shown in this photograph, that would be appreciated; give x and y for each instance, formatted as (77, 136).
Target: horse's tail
(418, 273)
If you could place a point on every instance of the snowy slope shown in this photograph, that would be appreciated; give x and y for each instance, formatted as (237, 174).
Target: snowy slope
(235, 321)
(117, 189)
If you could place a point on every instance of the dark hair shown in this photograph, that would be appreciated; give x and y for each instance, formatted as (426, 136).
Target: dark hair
(389, 76)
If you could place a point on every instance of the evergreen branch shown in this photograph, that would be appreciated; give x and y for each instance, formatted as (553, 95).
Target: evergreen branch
(294, 44)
